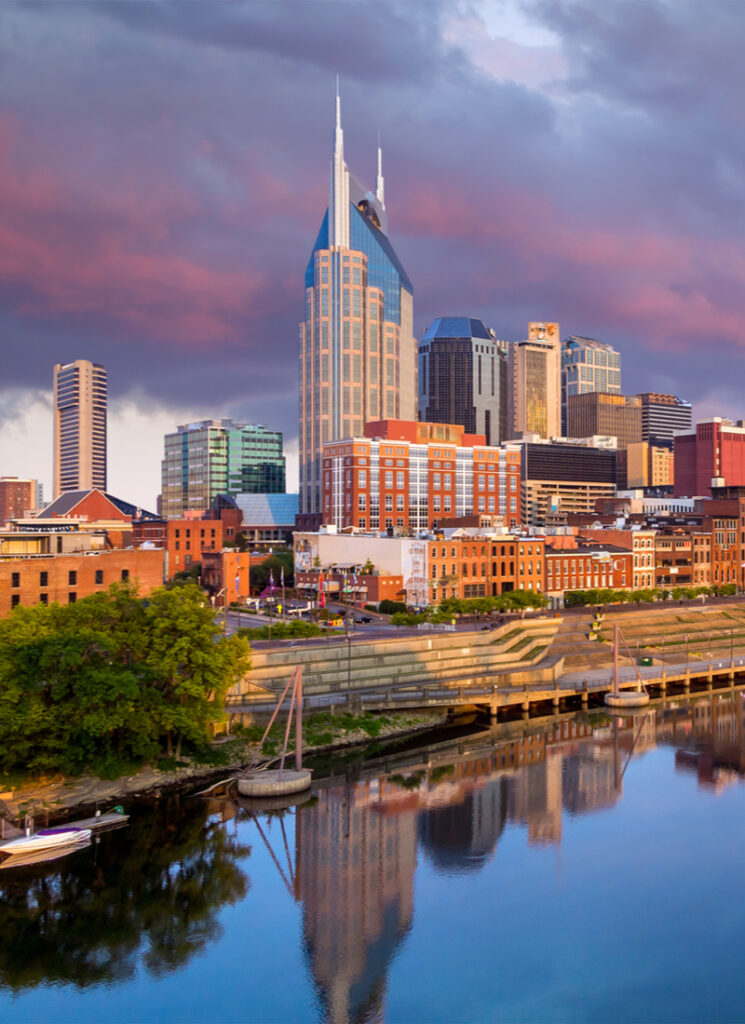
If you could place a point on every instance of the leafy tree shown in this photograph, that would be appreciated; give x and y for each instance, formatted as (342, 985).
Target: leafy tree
(273, 565)
(186, 576)
(111, 677)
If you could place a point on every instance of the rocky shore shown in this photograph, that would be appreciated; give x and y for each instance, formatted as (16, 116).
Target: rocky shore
(55, 799)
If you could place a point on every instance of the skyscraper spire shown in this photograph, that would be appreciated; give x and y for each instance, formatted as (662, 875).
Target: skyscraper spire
(338, 187)
(379, 184)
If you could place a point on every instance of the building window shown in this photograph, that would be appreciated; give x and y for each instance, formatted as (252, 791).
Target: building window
(99, 575)
(15, 580)
(399, 502)
(72, 578)
(389, 502)
(15, 599)
(362, 478)
(43, 579)
(44, 598)
(361, 502)
(72, 597)
(125, 574)
(389, 478)
(400, 480)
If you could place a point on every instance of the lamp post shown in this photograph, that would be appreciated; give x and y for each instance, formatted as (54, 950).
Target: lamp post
(349, 658)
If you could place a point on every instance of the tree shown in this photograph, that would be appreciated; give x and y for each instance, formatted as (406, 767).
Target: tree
(273, 566)
(110, 677)
(191, 670)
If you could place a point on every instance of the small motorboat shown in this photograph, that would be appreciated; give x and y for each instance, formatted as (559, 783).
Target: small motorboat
(47, 839)
(42, 856)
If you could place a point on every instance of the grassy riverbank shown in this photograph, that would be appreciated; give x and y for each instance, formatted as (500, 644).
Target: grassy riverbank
(56, 797)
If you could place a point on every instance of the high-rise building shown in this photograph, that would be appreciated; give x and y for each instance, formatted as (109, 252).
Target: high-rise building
(598, 413)
(80, 399)
(662, 415)
(536, 382)
(463, 377)
(358, 354)
(587, 365)
(215, 457)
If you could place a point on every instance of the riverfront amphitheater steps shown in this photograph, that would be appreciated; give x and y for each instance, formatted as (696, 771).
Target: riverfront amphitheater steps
(406, 661)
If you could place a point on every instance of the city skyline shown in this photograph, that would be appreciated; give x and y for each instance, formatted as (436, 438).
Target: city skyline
(179, 213)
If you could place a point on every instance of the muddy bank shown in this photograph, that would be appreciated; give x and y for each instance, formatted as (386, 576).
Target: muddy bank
(53, 800)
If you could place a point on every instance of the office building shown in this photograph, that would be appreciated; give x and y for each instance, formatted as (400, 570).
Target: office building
(711, 455)
(402, 475)
(463, 377)
(536, 382)
(559, 478)
(642, 465)
(662, 416)
(587, 365)
(18, 497)
(215, 457)
(80, 400)
(598, 413)
(358, 354)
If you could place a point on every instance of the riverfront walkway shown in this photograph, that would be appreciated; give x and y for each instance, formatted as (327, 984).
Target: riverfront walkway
(521, 666)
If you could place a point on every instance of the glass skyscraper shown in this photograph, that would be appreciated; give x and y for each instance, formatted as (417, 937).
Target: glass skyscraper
(215, 457)
(587, 365)
(464, 377)
(357, 347)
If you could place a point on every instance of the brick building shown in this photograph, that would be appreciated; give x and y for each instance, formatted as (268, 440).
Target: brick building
(712, 455)
(18, 497)
(67, 578)
(588, 566)
(406, 475)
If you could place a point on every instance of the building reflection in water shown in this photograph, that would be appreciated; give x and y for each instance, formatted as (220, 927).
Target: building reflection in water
(357, 845)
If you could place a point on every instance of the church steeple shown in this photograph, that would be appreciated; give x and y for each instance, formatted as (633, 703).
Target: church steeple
(338, 187)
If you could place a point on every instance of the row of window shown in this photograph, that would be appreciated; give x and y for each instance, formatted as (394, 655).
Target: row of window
(72, 579)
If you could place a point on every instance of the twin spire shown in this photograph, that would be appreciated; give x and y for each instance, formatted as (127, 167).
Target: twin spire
(339, 185)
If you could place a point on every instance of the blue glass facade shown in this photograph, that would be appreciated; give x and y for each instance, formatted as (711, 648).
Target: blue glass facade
(384, 269)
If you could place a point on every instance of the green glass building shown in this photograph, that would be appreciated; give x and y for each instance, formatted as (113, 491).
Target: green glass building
(219, 457)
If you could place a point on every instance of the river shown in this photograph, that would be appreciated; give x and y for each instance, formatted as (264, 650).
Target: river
(585, 869)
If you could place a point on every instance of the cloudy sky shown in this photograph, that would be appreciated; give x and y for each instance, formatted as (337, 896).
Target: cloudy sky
(164, 168)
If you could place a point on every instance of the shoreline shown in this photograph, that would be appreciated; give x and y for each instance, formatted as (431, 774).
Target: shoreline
(55, 800)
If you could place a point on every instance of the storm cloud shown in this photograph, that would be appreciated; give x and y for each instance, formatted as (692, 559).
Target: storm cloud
(163, 173)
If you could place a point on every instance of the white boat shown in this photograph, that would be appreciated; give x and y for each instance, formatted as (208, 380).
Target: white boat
(41, 856)
(46, 839)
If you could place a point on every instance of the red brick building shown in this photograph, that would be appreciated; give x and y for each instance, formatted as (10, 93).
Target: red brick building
(406, 476)
(587, 567)
(66, 578)
(714, 451)
(17, 498)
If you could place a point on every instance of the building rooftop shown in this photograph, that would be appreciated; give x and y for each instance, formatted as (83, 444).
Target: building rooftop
(457, 327)
(268, 509)
(68, 501)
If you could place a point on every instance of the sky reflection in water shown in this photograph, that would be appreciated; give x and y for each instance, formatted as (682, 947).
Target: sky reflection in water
(585, 872)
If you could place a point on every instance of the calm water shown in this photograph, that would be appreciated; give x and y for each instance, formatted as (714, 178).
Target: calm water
(591, 871)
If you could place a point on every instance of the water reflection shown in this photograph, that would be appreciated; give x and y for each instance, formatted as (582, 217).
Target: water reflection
(149, 896)
(357, 846)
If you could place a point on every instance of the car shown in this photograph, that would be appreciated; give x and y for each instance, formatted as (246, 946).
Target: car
(363, 618)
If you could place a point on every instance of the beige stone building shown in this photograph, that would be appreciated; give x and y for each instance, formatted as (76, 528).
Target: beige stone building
(80, 403)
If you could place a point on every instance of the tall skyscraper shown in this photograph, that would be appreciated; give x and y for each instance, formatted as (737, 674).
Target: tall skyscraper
(215, 457)
(80, 399)
(587, 365)
(536, 382)
(662, 415)
(463, 377)
(358, 354)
